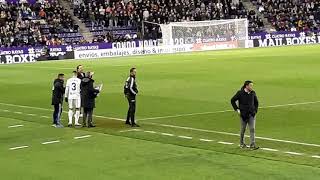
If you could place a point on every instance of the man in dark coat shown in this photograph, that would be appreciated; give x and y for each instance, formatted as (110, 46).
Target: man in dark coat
(89, 94)
(247, 109)
(57, 99)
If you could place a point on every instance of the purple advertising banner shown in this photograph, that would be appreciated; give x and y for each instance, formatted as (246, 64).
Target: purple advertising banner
(88, 46)
(34, 50)
(116, 45)
(282, 34)
(31, 54)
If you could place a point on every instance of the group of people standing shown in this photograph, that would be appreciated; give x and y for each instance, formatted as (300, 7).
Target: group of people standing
(80, 93)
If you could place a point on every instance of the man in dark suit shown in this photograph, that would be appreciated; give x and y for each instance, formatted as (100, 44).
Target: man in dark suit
(57, 99)
(89, 94)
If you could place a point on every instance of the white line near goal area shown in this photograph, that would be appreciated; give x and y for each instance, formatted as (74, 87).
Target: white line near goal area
(50, 142)
(201, 130)
(269, 149)
(82, 137)
(18, 147)
(15, 126)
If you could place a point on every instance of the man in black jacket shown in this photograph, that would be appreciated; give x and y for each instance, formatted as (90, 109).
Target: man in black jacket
(247, 109)
(57, 99)
(89, 94)
(80, 75)
(130, 91)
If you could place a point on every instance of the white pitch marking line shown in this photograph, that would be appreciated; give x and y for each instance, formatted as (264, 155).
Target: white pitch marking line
(81, 137)
(167, 134)
(227, 143)
(152, 132)
(31, 114)
(185, 137)
(18, 147)
(293, 153)
(44, 116)
(229, 110)
(196, 129)
(50, 142)
(17, 112)
(316, 157)
(206, 140)
(269, 149)
(14, 126)
(232, 134)
(130, 130)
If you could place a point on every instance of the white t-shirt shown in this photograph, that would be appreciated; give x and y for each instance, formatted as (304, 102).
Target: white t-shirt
(73, 88)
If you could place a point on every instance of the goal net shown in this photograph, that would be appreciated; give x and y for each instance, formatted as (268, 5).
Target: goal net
(206, 35)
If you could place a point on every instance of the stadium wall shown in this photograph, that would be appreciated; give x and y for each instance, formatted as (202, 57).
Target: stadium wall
(102, 50)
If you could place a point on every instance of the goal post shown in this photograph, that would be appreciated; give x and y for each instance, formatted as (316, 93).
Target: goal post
(206, 35)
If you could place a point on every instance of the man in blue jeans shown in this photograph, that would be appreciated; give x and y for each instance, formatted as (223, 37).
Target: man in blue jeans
(57, 100)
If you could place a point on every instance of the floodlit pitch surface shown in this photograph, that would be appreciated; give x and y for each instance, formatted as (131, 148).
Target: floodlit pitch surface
(187, 129)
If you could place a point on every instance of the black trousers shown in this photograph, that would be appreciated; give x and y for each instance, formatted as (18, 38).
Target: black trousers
(132, 109)
(87, 114)
(57, 114)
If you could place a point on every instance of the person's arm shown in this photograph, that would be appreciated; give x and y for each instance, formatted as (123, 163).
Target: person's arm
(256, 103)
(131, 86)
(92, 90)
(67, 90)
(234, 99)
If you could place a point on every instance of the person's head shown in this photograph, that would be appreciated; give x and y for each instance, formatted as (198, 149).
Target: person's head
(80, 68)
(89, 74)
(133, 72)
(74, 73)
(61, 76)
(248, 85)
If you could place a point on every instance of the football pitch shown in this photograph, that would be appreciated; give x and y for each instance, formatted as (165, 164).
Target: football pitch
(188, 128)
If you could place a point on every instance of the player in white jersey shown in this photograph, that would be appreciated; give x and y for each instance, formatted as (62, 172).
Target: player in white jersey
(73, 97)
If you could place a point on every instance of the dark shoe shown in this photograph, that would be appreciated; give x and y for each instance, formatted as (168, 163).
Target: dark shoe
(254, 147)
(69, 125)
(135, 125)
(243, 146)
(91, 126)
(84, 125)
(128, 123)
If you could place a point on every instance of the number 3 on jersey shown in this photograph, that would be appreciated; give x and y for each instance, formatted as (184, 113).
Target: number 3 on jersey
(74, 86)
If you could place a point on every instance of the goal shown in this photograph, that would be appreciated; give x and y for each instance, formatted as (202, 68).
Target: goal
(206, 35)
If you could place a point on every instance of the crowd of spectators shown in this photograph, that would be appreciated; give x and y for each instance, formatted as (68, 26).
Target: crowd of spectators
(291, 15)
(48, 23)
(129, 13)
(41, 23)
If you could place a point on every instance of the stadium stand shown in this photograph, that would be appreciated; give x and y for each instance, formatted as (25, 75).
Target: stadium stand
(121, 19)
(41, 23)
(48, 23)
(291, 15)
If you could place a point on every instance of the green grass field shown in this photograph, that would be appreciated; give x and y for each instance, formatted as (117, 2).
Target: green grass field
(187, 129)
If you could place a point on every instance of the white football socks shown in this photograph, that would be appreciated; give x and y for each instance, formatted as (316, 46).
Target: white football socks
(70, 115)
(77, 116)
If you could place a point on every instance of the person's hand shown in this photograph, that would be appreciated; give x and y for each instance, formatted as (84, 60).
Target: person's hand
(66, 99)
(238, 110)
